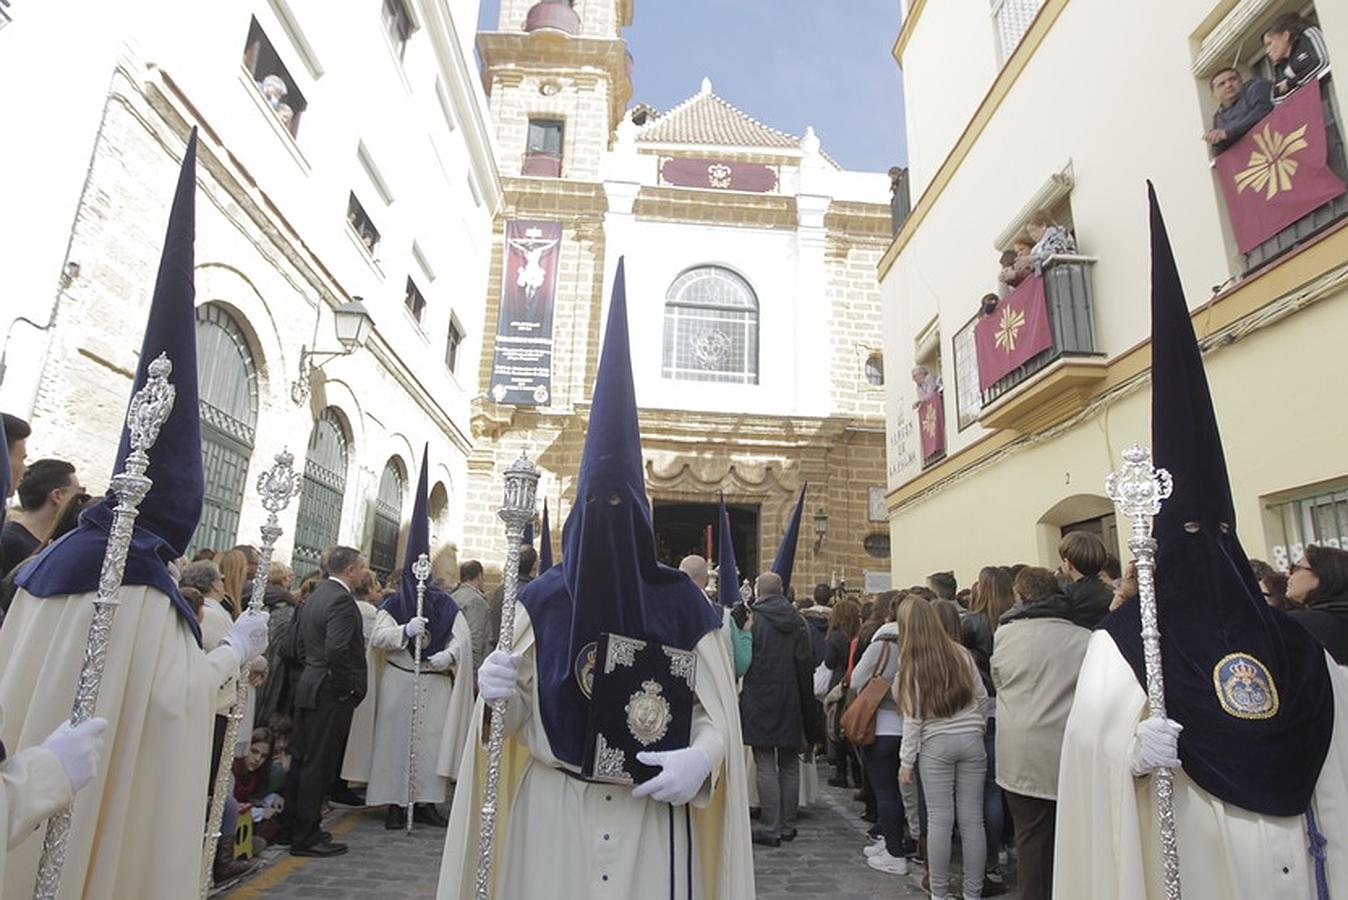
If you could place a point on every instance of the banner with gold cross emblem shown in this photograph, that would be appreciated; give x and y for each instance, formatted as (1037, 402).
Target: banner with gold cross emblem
(1013, 333)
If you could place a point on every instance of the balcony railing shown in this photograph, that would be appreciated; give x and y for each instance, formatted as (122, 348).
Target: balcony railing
(1317, 219)
(1067, 293)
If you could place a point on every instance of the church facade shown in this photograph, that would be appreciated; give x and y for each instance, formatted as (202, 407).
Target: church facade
(753, 303)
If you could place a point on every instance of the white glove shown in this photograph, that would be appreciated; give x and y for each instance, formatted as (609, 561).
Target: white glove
(682, 773)
(415, 627)
(78, 748)
(498, 678)
(1155, 746)
(440, 662)
(247, 637)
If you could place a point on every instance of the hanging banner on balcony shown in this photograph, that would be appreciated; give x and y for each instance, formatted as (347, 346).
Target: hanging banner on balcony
(931, 416)
(1015, 332)
(1277, 173)
(521, 372)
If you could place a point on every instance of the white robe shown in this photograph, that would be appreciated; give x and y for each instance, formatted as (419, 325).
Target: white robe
(138, 826)
(560, 837)
(1108, 842)
(33, 785)
(446, 705)
(360, 736)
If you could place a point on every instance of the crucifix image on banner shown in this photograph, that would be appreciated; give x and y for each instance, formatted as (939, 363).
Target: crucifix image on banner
(522, 365)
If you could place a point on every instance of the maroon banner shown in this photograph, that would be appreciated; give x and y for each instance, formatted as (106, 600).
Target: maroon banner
(722, 175)
(931, 418)
(521, 372)
(1016, 331)
(1276, 173)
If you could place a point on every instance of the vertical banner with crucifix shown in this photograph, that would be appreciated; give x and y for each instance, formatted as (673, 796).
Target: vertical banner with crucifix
(521, 372)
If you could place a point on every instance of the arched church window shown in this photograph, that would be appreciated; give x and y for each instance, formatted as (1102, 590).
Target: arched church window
(227, 380)
(324, 486)
(711, 328)
(388, 515)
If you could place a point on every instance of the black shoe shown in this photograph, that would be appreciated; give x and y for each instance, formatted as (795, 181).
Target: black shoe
(838, 781)
(789, 835)
(859, 796)
(346, 797)
(321, 849)
(755, 812)
(427, 814)
(396, 818)
(766, 840)
(909, 847)
(283, 838)
(868, 815)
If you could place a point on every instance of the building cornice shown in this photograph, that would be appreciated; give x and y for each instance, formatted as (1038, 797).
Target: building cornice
(906, 29)
(543, 53)
(992, 101)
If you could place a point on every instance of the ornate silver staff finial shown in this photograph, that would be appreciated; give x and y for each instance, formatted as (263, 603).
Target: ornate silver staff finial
(1137, 489)
(149, 410)
(421, 570)
(276, 486)
(521, 495)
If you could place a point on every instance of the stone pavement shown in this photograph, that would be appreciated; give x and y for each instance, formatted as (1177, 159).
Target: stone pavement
(823, 863)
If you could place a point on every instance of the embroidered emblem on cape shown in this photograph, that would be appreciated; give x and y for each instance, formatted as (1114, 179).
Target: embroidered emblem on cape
(584, 668)
(1244, 687)
(648, 713)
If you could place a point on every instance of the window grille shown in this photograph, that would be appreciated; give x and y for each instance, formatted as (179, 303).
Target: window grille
(414, 300)
(968, 397)
(273, 79)
(321, 496)
(388, 514)
(1012, 19)
(711, 328)
(1320, 518)
(227, 381)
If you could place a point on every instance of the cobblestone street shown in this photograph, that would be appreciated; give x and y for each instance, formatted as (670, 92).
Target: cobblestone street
(823, 863)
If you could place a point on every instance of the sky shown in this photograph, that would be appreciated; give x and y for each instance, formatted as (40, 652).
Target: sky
(787, 63)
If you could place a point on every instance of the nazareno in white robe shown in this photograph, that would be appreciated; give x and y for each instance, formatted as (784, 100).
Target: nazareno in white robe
(360, 736)
(560, 837)
(137, 828)
(1108, 840)
(33, 785)
(446, 708)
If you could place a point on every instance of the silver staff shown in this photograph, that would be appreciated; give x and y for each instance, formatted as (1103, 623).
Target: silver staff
(1137, 490)
(276, 486)
(421, 569)
(521, 493)
(149, 410)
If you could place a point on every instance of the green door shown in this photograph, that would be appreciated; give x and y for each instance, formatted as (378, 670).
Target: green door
(320, 515)
(228, 390)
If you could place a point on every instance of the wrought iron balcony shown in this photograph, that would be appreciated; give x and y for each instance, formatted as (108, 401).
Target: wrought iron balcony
(1057, 382)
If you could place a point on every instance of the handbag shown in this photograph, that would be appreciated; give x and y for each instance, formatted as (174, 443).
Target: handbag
(822, 676)
(858, 722)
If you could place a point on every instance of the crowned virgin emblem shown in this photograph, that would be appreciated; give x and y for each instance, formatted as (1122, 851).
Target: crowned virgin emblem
(584, 668)
(648, 713)
(1244, 687)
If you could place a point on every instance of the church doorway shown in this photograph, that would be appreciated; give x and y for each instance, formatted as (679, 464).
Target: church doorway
(681, 529)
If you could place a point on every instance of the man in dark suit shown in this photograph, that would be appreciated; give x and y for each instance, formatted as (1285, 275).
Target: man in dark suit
(331, 647)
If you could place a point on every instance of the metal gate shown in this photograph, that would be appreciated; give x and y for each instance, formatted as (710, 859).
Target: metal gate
(388, 514)
(228, 390)
(320, 515)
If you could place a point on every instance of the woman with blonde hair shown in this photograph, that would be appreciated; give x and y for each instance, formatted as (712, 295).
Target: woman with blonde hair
(234, 568)
(941, 699)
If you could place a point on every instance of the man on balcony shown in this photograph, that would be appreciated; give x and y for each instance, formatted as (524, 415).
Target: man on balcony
(1240, 105)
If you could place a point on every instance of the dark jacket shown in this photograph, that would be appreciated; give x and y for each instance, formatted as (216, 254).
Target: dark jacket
(780, 677)
(276, 695)
(1083, 603)
(1307, 59)
(1255, 102)
(976, 635)
(1327, 621)
(816, 617)
(331, 644)
(835, 656)
(494, 604)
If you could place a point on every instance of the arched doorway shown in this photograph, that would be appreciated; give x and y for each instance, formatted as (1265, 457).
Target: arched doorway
(388, 516)
(227, 381)
(320, 515)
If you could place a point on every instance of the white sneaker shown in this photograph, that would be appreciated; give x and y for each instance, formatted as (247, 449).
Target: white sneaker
(894, 865)
(873, 849)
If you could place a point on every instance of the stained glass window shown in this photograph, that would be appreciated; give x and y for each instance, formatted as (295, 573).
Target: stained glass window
(711, 328)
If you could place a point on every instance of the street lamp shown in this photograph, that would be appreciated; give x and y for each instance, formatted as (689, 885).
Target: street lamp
(353, 324)
(820, 527)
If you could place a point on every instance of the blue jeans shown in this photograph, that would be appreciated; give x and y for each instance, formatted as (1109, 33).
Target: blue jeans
(993, 811)
(882, 771)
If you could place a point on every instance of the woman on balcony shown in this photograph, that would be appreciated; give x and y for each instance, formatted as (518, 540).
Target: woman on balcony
(1049, 238)
(1297, 50)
